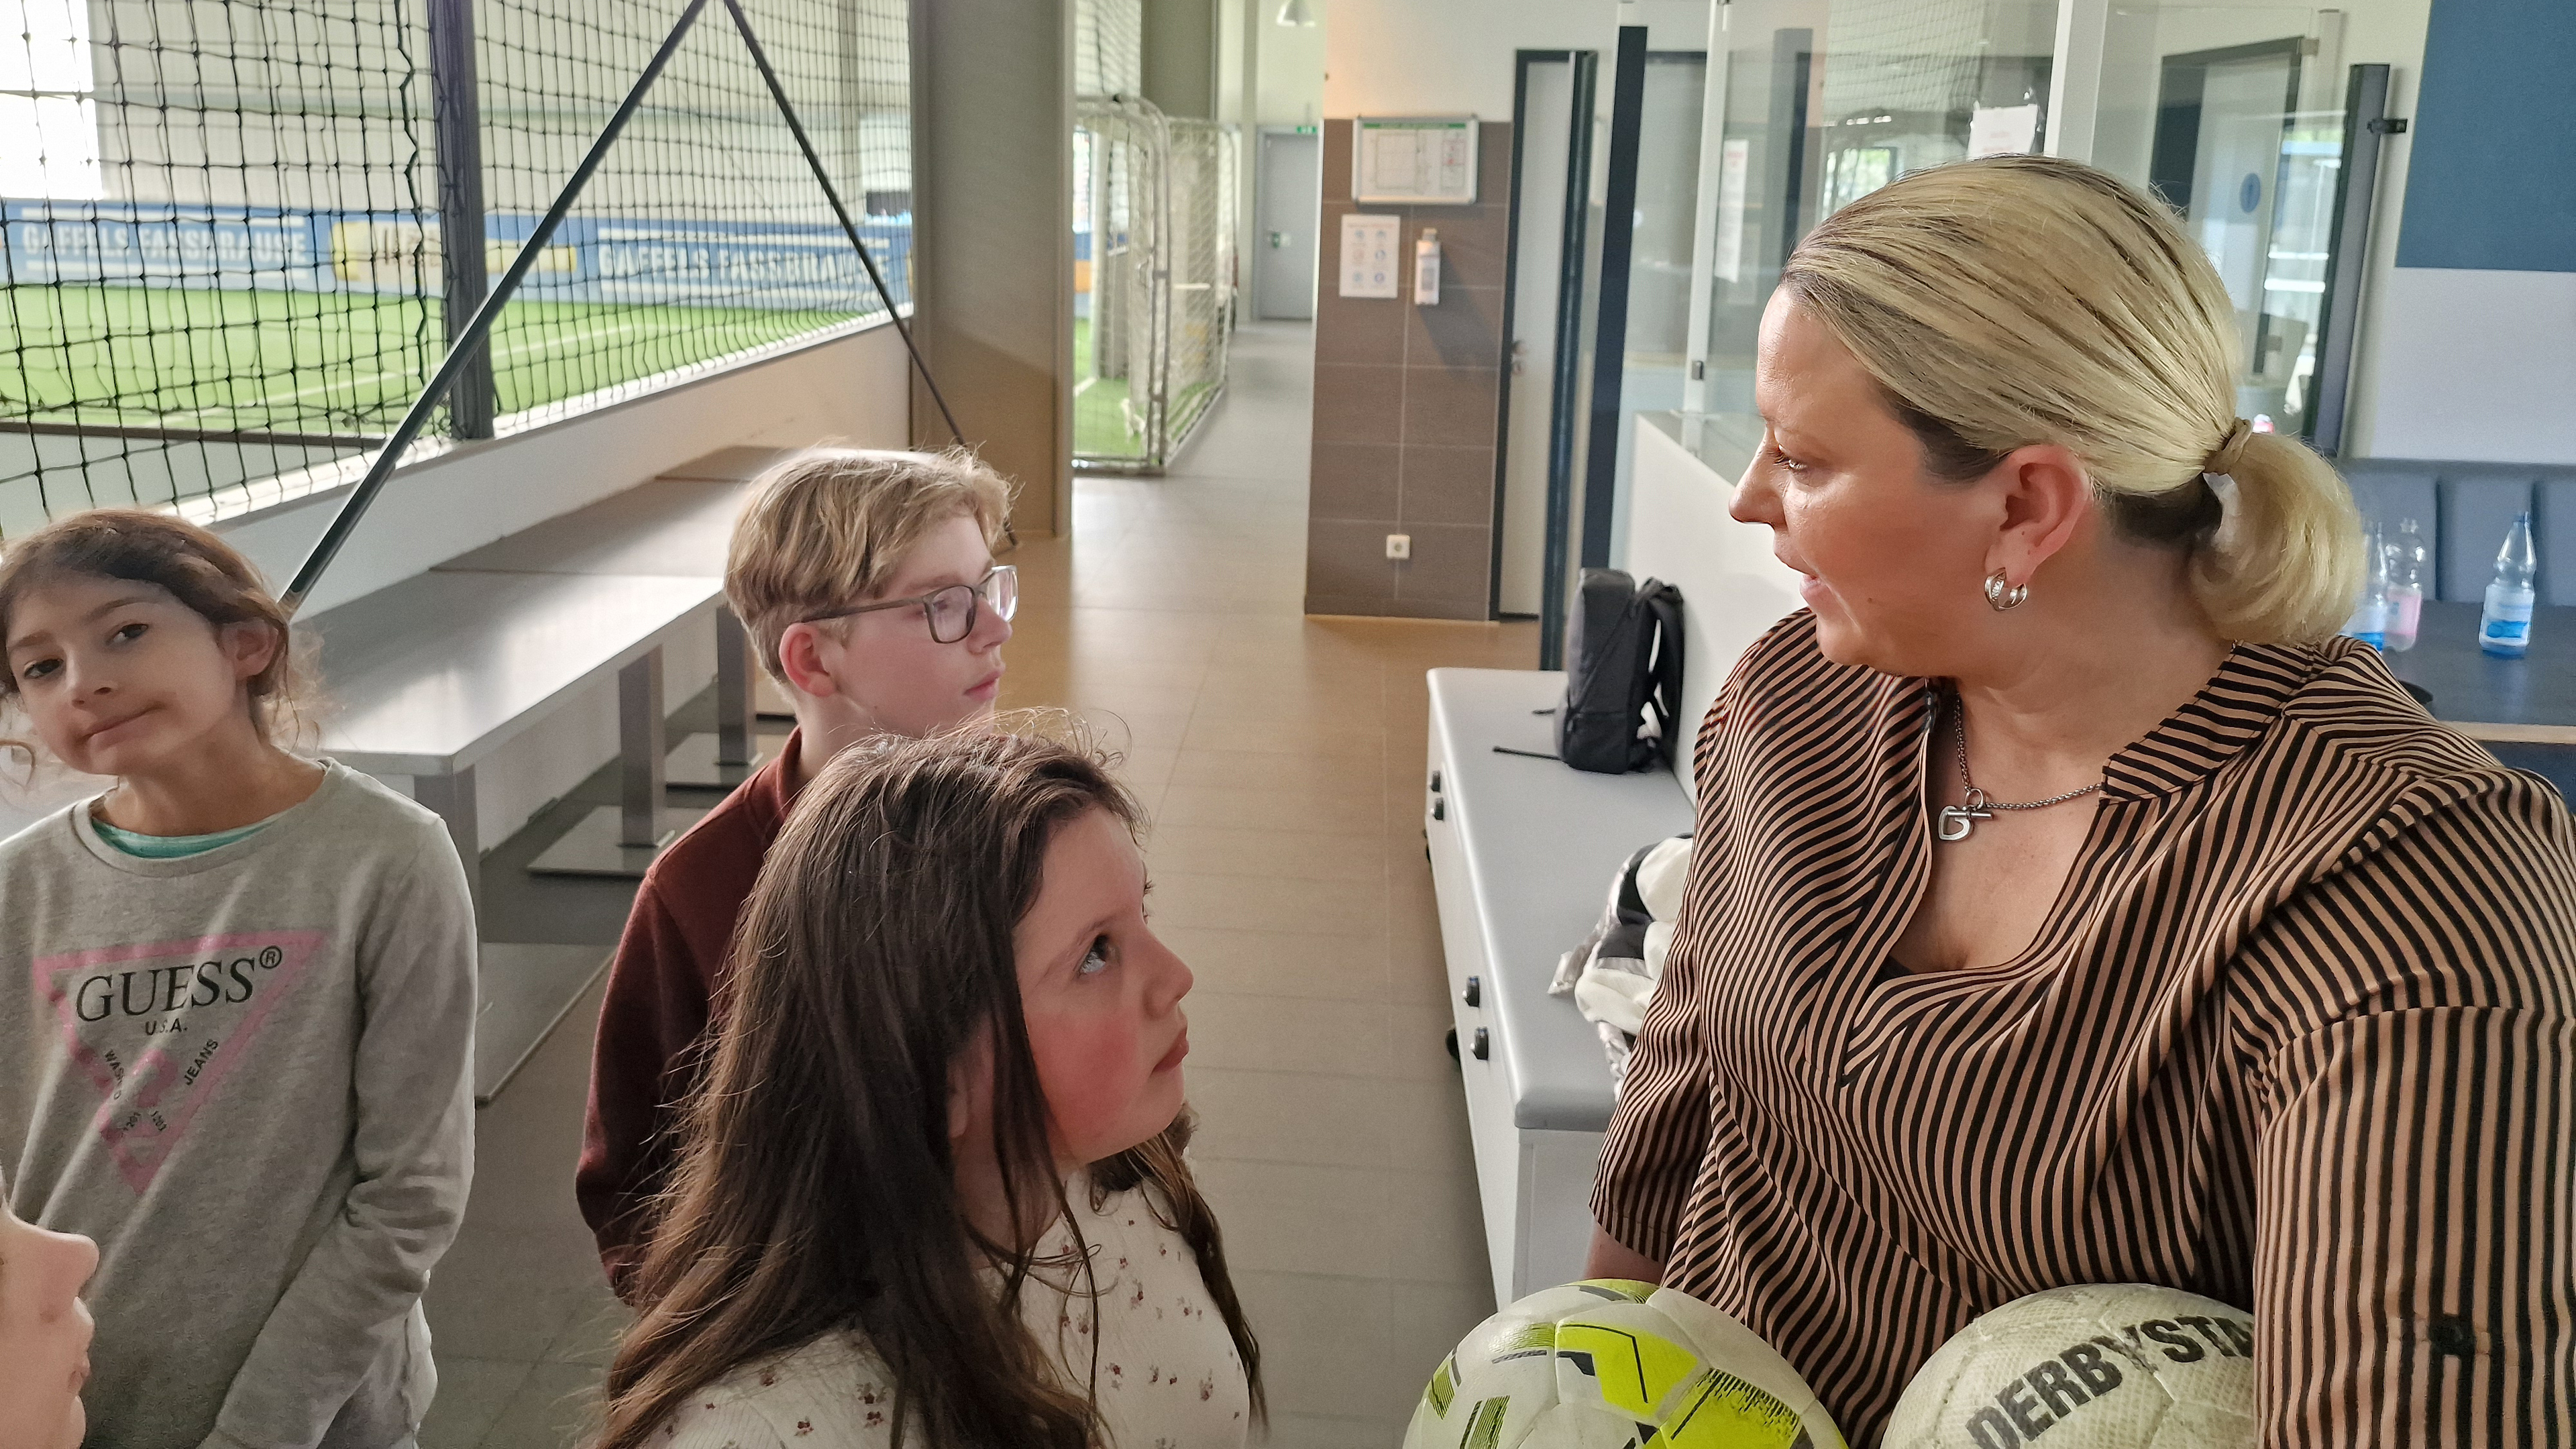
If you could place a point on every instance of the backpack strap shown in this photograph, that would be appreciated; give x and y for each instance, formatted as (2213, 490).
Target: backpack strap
(1664, 695)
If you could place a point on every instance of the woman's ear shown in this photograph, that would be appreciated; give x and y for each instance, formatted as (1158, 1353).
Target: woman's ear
(2047, 494)
(800, 658)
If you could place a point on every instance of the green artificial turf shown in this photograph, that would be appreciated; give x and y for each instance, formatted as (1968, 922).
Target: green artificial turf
(328, 361)
(1099, 420)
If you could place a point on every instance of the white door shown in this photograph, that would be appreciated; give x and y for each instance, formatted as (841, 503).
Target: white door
(1547, 129)
(1291, 184)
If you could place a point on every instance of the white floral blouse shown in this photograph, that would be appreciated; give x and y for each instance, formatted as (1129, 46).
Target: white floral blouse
(1168, 1375)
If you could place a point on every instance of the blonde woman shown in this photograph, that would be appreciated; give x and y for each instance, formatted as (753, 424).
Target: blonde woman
(2070, 904)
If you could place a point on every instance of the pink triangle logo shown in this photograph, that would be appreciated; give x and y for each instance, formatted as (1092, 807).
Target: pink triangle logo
(156, 1028)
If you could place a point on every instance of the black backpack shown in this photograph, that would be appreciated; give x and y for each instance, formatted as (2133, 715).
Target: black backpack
(1624, 671)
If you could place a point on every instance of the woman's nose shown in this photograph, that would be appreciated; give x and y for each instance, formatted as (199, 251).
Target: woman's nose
(1755, 500)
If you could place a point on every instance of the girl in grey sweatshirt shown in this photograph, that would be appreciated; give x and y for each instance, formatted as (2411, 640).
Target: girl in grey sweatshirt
(236, 1024)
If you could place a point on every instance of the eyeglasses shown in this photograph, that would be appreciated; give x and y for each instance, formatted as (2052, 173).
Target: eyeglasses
(951, 612)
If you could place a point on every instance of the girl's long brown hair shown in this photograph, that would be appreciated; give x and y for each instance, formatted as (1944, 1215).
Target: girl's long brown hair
(815, 1188)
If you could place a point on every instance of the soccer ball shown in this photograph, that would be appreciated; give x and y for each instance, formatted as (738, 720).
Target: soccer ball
(1610, 1364)
(2100, 1366)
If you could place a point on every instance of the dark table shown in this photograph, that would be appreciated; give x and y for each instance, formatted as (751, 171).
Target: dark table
(2531, 700)
(2523, 710)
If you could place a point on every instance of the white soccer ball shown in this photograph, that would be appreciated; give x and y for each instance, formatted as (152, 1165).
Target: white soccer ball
(1610, 1364)
(2101, 1366)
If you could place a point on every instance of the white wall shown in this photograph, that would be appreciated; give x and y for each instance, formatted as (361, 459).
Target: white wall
(1439, 57)
(1291, 61)
(2475, 364)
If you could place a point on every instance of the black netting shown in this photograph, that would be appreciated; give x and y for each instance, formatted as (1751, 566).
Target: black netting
(227, 257)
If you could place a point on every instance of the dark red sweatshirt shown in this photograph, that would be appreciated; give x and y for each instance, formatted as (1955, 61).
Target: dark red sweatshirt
(655, 1020)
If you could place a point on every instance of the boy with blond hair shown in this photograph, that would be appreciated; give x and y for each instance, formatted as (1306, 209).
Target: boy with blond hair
(868, 584)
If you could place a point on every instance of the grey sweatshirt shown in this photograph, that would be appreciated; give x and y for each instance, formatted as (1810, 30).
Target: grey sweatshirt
(249, 1075)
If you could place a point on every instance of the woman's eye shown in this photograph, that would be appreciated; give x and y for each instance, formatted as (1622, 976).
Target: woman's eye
(128, 633)
(38, 670)
(1783, 460)
(1095, 960)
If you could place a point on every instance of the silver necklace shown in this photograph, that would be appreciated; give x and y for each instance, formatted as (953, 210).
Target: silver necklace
(1957, 820)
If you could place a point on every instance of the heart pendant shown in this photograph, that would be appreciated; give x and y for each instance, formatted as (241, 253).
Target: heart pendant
(1955, 823)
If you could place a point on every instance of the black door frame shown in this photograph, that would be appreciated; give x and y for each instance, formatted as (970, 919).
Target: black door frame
(1565, 380)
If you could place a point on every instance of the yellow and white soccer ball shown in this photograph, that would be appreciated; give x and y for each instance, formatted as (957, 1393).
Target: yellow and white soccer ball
(1610, 1364)
(2099, 1366)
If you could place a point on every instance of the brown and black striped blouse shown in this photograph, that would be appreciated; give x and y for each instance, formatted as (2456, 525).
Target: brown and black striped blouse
(2299, 1033)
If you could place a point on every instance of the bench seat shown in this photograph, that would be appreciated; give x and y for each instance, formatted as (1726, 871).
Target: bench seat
(1522, 854)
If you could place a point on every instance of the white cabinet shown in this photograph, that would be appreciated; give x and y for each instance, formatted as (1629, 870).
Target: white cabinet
(1522, 852)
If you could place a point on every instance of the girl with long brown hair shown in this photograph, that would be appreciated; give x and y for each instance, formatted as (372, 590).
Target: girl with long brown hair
(932, 1192)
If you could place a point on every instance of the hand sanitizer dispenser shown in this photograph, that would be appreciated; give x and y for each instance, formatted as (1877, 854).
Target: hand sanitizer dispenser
(1426, 268)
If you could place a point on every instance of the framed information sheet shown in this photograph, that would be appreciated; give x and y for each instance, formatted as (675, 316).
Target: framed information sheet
(1414, 160)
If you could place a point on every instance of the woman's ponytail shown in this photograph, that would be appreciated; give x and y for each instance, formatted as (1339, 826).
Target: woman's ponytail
(2286, 562)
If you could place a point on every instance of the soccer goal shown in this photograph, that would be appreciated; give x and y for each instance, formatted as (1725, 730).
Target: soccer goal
(238, 240)
(1154, 210)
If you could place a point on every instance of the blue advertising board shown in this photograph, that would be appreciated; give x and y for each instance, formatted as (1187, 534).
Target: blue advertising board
(785, 265)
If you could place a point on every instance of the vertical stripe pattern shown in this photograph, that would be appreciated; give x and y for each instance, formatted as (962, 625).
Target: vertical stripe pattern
(2299, 1033)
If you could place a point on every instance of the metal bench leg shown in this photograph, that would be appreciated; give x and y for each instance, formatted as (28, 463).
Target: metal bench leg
(641, 745)
(451, 797)
(734, 704)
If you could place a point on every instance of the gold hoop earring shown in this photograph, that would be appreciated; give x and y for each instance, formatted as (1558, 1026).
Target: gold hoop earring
(2004, 596)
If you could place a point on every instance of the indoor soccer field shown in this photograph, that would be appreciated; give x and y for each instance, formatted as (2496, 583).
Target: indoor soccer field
(274, 360)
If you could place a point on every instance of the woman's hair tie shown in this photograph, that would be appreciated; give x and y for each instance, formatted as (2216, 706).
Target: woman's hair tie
(2222, 537)
(2230, 450)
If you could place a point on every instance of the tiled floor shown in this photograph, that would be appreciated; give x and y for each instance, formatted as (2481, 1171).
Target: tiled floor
(1281, 758)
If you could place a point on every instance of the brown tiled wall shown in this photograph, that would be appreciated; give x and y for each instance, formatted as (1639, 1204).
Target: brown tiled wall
(1406, 406)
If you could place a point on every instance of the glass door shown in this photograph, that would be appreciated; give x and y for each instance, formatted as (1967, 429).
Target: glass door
(1824, 102)
(2234, 115)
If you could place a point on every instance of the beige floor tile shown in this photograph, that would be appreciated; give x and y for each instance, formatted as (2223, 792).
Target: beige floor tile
(1266, 903)
(1348, 809)
(1290, 1034)
(1436, 1230)
(1427, 1320)
(1122, 730)
(557, 1404)
(472, 1392)
(1282, 963)
(1282, 1218)
(1272, 770)
(1296, 1117)
(1327, 1348)
(1330, 1431)
(1363, 743)
(1232, 850)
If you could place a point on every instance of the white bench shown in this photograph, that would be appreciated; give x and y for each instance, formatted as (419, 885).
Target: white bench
(1522, 853)
(429, 676)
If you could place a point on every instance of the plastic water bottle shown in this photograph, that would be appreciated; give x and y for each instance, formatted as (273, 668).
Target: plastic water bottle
(2505, 629)
(2369, 622)
(2408, 563)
